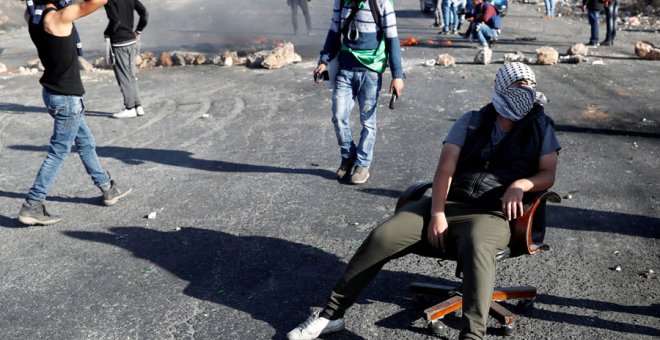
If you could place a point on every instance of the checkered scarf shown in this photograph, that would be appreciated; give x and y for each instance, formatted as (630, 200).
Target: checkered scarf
(514, 103)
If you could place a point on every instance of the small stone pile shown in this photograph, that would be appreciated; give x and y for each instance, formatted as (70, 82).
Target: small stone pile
(282, 55)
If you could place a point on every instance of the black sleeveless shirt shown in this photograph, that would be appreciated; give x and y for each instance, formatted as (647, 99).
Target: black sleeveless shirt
(59, 56)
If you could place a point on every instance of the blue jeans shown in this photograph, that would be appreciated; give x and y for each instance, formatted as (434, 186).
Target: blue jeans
(549, 7)
(69, 128)
(364, 85)
(593, 21)
(611, 12)
(486, 34)
(450, 14)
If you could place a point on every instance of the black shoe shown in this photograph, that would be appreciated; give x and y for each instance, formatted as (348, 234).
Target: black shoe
(459, 26)
(592, 44)
(491, 43)
(607, 43)
(114, 194)
(36, 213)
(345, 167)
(435, 24)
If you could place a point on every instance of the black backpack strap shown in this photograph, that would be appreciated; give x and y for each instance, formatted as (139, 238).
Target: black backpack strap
(375, 11)
(351, 17)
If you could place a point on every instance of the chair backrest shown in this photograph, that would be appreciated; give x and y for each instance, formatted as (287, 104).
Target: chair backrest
(527, 231)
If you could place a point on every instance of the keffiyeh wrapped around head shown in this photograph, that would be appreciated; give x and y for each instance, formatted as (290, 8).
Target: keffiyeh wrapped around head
(515, 102)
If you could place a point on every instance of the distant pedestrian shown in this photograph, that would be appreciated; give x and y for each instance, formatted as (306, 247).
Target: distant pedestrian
(450, 16)
(611, 12)
(125, 42)
(294, 4)
(50, 24)
(437, 13)
(363, 38)
(593, 8)
(549, 9)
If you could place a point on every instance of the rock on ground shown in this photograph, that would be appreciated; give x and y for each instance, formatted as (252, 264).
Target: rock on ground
(647, 51)
(547, 55)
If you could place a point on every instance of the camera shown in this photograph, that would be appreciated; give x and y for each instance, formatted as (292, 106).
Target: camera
(321, 76)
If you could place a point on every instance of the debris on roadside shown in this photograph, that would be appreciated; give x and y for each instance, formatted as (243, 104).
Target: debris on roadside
(516, 57)
(445, 60)
(647, 274)
(484, 56)
(578, 49)
(547, 55)
(646, 50)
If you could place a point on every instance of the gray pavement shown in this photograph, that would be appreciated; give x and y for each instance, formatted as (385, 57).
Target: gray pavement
(252, 229)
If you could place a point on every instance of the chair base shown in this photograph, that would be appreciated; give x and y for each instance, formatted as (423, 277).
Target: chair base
(454, 302)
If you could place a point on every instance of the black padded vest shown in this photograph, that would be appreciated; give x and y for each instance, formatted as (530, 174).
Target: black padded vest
(484, 181)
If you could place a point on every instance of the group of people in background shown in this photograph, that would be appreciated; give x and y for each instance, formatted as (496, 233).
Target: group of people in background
(593, 9)
(486, 19)
(450, 14)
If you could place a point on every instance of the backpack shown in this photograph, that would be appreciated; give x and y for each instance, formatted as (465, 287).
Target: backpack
(375, 12)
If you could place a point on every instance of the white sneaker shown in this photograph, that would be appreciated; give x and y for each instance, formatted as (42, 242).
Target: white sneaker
(313, 327)
(139, 110)
(126, 113)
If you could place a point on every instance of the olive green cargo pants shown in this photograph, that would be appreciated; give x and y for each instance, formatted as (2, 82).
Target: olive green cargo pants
(475, 236)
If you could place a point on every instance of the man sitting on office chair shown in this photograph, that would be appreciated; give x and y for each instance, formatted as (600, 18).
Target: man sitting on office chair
(489, 159)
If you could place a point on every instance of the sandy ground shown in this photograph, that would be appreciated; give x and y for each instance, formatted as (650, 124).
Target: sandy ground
(252, 229)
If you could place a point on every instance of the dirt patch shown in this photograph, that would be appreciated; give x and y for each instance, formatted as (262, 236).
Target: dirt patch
(595, 113)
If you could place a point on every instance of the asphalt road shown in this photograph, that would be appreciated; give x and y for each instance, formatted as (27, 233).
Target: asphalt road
(252, 229)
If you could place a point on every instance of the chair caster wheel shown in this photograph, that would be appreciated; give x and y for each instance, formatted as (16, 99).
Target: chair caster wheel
(437, 328)
(525, 305)
(509, 329)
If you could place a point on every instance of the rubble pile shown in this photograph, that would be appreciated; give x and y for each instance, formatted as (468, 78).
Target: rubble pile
(647, 51)
(282, 55)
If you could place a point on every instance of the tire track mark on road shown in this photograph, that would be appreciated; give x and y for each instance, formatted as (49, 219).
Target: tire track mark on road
(238, 106)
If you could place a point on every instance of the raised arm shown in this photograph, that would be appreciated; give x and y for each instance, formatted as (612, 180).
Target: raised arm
(70, 13)
(60, 23)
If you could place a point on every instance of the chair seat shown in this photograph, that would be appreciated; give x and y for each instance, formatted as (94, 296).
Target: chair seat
(527, 233)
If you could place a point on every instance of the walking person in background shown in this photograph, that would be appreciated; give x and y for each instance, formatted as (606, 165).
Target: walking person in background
(124, 50)
(51, 29)
(437, 13)
(611, 12)
(294, 4)
(450, 14)
(549, 9)
(363, 36)
(593, 8)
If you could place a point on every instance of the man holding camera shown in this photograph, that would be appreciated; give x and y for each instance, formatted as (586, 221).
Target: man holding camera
(363, 37)
(51, 28)
(124, 50)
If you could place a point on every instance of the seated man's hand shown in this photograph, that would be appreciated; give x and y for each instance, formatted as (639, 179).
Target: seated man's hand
(437, 231)
(512, 205)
